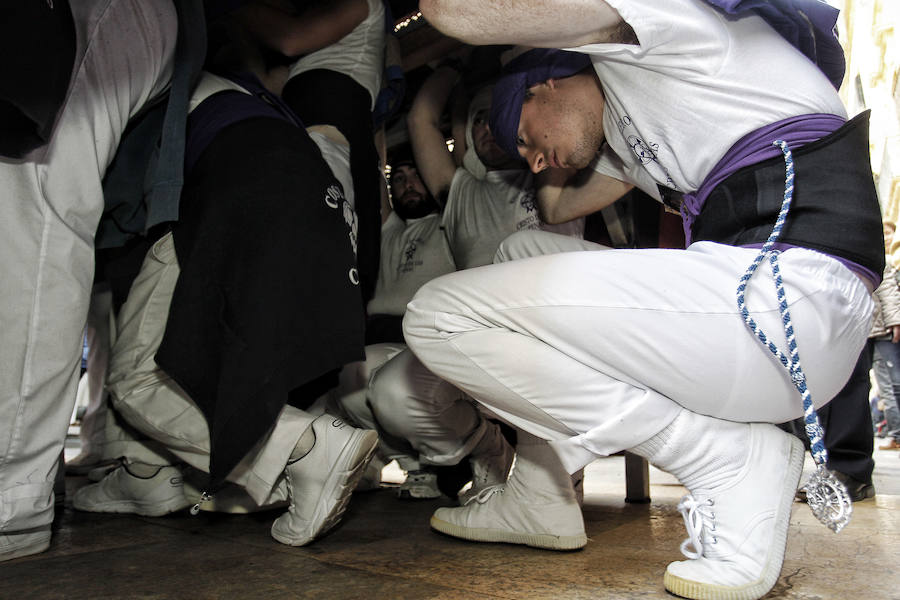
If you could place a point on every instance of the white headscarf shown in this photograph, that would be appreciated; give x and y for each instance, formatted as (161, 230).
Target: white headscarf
(471, 162)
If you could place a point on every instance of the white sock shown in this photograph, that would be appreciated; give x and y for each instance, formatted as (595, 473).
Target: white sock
(143, 470)
(304, 445)
(702, 452)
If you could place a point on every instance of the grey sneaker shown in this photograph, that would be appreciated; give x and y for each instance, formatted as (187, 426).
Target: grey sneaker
(322, 482)
(123, 492)
(420, 484)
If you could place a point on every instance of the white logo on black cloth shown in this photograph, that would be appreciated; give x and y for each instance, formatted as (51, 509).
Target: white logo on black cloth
(334, 199)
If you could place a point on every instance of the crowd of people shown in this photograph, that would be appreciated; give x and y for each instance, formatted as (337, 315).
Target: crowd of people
(271, 320)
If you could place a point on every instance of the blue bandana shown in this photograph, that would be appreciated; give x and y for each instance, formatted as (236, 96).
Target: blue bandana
(526, 70)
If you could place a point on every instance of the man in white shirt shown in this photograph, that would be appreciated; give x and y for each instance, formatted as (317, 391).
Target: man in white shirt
(652, 350)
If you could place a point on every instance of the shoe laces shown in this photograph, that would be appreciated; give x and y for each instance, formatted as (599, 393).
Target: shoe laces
(484, 495)
(700, 521)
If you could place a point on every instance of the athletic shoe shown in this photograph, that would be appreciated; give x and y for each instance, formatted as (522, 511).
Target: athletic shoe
(892, 444)
(16, 544)
(535, 507)
(420, 484)
(124, 492)
(738, 530)
(322, 482)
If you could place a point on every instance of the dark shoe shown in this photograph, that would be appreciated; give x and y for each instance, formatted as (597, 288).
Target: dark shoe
(858, 490)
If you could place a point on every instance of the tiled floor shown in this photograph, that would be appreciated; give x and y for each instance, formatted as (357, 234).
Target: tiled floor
(384, 549)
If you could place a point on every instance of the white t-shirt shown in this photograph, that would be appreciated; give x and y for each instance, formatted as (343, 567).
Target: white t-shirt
(359, 54)
(697, 83)
(481, 213)
(412, 254)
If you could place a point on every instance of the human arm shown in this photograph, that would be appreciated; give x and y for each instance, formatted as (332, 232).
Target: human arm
(539, 23)
(565, 194)
(433, 160)
(276, 26)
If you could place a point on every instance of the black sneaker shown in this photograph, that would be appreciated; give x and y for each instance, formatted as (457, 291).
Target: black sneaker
(857, 489)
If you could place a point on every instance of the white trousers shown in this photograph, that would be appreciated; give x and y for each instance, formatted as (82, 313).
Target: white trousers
(51, 203)
(411, 403)
(152, 403)
(598, 351)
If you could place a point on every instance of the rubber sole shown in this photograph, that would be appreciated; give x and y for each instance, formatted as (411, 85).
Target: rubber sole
(144, 509)
(696, 590)
(535, 540)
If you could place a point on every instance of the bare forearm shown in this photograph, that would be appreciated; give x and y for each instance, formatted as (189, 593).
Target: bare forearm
(540, 23)
(433, 159)
(563, 196)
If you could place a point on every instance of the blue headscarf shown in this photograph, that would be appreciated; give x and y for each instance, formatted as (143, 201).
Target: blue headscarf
(524, 71)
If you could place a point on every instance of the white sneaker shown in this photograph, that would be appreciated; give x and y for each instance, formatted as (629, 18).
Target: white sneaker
(420, 484)
(16, 544)
(498, 514)
(322, 482)
(123, 492)
(738, 530)
(535, 507)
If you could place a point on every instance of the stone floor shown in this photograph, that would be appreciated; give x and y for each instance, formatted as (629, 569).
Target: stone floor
(385, 549)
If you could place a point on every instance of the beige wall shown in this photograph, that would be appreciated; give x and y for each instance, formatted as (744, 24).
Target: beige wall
(870, 33)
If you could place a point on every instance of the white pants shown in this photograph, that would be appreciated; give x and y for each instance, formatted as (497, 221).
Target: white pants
(437, 419)
(598, 351)
(153, 404)
(50, 206)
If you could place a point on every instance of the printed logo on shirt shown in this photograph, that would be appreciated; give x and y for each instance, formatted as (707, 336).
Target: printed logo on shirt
(528, 200)
(646, 151)
(409, 254)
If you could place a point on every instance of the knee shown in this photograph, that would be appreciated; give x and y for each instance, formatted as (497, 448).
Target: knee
(514, 247)
(403, 392)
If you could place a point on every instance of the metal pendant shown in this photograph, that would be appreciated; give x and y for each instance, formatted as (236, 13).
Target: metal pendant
(828, 499)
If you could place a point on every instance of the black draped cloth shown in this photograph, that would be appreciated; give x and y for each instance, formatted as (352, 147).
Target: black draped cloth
(267, 300)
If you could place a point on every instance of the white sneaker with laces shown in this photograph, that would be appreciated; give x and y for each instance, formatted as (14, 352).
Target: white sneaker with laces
(123, 492)
(322, 481)
(738, 530)
(535, 507)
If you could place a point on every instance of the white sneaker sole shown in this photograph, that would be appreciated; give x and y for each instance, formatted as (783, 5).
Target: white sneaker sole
(535, 540)
(348, 470)
(144, 509)
(752, 591)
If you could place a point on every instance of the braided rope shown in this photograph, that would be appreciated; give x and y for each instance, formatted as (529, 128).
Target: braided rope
(814, 429)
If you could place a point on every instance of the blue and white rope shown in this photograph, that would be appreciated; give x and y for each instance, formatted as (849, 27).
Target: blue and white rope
(792, 362)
